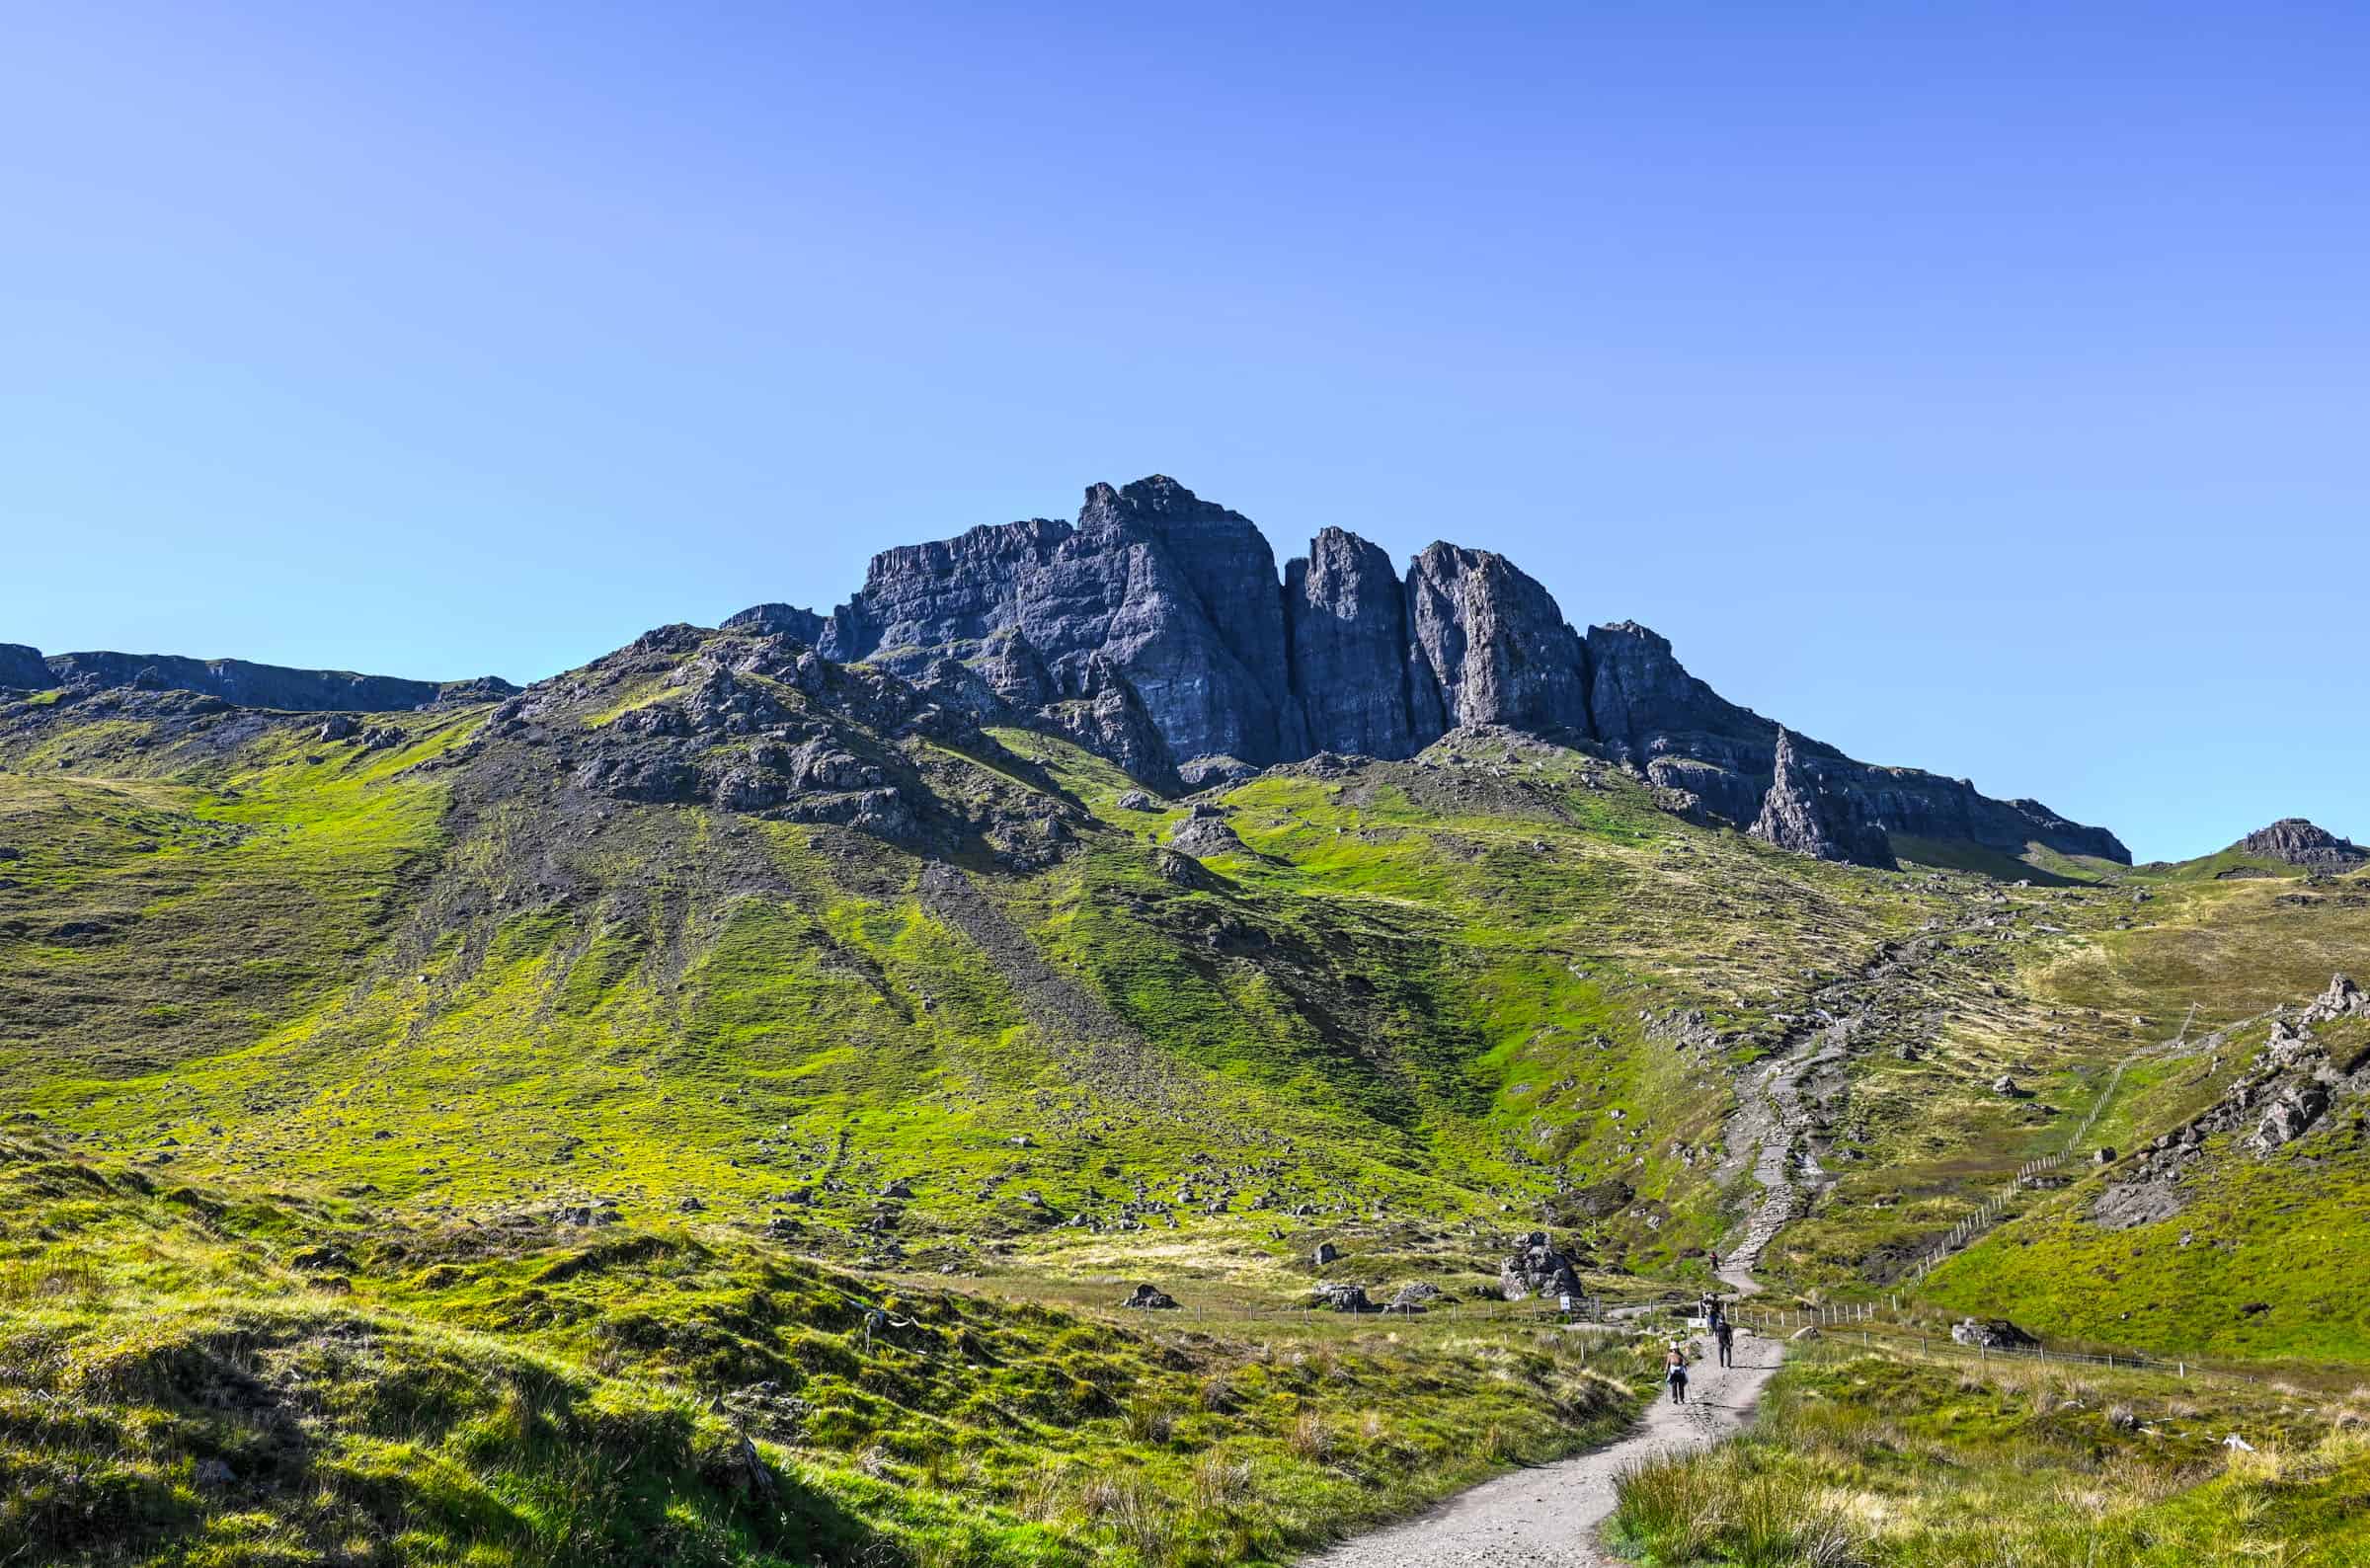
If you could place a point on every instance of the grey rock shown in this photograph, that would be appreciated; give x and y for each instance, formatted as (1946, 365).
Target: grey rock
(1138, 800)
(1538, 1268)
(1800, 813)
(1996, 1333)
(1342, 1297)
(777, 620)
(258, 686)
(2299, 842)
(1346, 610)
(1203, 838)
(1150, 1298)
(1491, 642)
(22, 668)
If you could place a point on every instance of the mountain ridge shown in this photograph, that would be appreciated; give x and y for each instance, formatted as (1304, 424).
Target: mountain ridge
(1157, 631)
(1160, 611)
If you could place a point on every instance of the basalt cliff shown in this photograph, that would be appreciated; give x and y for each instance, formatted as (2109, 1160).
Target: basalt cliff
(1157, 630)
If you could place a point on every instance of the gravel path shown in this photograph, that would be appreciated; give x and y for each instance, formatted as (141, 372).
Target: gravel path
(1549, 1516)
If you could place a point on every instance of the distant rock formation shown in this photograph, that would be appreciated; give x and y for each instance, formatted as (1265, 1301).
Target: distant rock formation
(1153, 631)
(22, 668)
(778, 620)
(263, 685)
(1799, 814)
(2299, 842)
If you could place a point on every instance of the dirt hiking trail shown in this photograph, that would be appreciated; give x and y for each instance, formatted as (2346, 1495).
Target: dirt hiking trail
(1549, 1516)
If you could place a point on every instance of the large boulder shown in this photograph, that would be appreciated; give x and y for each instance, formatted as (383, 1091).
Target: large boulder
(1538, 1268)
(1996, 1333)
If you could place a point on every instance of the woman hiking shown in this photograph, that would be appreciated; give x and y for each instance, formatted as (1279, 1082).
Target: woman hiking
(1675, 1365)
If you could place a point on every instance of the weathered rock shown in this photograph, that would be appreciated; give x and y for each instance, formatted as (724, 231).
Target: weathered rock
(1996, 1333)
(777, 620)
(1493, 644)
(1150, 1298)
(1413, 1298)
(1346, 612)
(1800, 814)
(1342, 1297)
(1203, 838)
(1538, 1268)
(256, 685)
(1138, 800)
(2299, 842)
(22, 668)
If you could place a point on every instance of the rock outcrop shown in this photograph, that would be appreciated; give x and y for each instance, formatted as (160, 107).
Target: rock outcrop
(777, 620)
(1152, 631)
(1346, 612)
(2299, 842)
(1799, 814)
(265, 685)
(1492, 643)
(22, 668)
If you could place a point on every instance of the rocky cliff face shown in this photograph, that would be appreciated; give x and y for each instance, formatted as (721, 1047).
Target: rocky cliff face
(1493, 644)
(2301, 843)
(1346, 612)
(1802, 814)
(1153, 631)
(262, 685)
(22, 668)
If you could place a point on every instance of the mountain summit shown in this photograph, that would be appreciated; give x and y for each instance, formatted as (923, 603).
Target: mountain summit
(1156, 631)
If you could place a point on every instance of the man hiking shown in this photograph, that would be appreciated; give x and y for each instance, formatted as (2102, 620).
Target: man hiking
(1675, 1365)
(1723, 1334)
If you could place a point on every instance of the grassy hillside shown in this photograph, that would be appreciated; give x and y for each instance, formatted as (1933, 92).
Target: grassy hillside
(1895, 1459)
(587, 1079)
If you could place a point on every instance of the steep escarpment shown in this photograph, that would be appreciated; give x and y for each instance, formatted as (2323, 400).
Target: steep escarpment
(1153, 630)
(236, 681)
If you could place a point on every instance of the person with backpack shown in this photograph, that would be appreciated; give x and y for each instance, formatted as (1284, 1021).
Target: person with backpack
(1723, 1334)
(1675, 1365)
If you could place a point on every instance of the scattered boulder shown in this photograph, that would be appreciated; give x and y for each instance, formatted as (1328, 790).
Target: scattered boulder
(337, 727)
(1413, 1298)
(1138, 800)
(1150, 1298)
(1995, 1333)
(1538, 1268)
(1343, 1297)
(1326, 1253)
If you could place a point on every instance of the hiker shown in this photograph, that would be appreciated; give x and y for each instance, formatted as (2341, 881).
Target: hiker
(1676, 1361)
(1723, 1334)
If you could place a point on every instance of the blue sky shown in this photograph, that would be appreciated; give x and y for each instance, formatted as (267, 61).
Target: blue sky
(1984, 388)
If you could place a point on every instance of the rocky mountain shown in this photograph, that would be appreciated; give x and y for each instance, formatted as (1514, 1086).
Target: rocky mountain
(2301, 843)
(1154, 631)
(236, 681)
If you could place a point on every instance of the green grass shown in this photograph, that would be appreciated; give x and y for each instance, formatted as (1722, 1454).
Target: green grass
(1889, 1460)
(232, 1380)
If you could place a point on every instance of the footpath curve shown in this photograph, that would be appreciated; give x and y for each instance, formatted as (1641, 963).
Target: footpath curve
(1552, 1516)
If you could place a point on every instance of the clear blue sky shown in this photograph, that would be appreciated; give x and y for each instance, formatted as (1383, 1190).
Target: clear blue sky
(1986, 388)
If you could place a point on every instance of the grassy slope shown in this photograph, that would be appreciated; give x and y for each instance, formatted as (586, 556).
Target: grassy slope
(200, 1376)
(1428, 1003)
(1897, 1460)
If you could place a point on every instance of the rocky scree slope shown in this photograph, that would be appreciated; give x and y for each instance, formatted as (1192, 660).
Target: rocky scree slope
(1154, 631)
